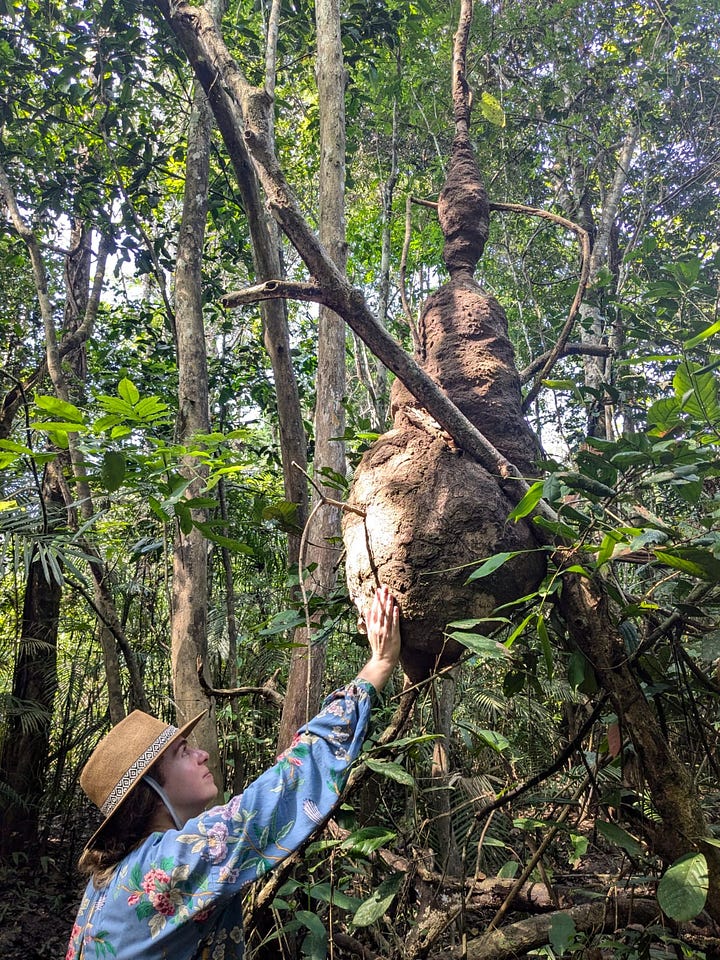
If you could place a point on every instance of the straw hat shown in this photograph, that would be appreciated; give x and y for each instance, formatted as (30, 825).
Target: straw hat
(121, 759)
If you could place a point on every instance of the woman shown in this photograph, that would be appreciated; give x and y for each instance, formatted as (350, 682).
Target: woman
(166, 875)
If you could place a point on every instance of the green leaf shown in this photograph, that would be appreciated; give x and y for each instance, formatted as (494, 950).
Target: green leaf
(18, 448)
(158, 510)
(128, 391)
(208, 531)
(619, 837)
(664, 413)
(683, 888)
(491, 565)
(46, 426)
(496, 741)
(518, 631)
(703, 335)
(282, 621)
(392, 770)
(330, 894)
(560, 384)
(545, 645)
(581, 675)
(312, 922)
(562, 932)
(59, 408)
(184, 518)
(692, 560)
(528, 502)
(377, 903)
(480, 645)
(696, 391)
(112, 471)
(609, 543)
(367, 839)
(491, 109)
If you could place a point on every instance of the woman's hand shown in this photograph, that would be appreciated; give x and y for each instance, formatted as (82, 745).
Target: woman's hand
(383, 628)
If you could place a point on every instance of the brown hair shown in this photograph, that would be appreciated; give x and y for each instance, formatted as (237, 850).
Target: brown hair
(122, 835)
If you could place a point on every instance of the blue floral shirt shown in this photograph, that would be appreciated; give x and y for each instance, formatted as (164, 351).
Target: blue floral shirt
(177, 896)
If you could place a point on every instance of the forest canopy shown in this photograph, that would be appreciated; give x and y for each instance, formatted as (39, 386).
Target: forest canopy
(225, 229)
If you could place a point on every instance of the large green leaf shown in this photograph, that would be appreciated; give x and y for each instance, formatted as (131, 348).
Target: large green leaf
(697, 392)
(682, 891)
(528, 502)
(59, 408)
(392, 770)
(562, 932)
(492, 564)
(377, 903)
(693, 560)
(619, 837)
(113, 469)
(480, 645)
(315, 943)
(703, 335)
(128, 391)
(491, 109)
(367, 839)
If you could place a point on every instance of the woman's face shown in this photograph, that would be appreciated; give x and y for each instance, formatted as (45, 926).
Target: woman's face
(186, 779)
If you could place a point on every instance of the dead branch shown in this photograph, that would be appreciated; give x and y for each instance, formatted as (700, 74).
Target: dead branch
(267, 690)
(517, 939)
(570, 350)
(275, 290)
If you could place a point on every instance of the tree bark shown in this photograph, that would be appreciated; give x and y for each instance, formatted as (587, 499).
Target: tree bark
(324, 534)
(517, 939)
(447, 854)
(593, 327)
(190, 563)
(25, 746)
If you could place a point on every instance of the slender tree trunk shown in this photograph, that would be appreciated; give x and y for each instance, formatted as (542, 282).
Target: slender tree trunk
(25, 746)
(238, 771)
(375, 378)
(447, 854)
(594, 329)
(324, 536)
(190, 552)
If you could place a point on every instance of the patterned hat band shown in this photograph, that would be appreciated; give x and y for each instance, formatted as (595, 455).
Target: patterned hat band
(136, 770)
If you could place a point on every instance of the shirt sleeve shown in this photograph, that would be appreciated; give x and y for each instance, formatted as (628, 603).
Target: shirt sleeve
(231, 845)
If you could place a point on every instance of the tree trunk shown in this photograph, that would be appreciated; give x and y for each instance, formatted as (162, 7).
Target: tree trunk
(594, 329)
(190, 553)
(25, 746)
(307, 664)
(447, 853)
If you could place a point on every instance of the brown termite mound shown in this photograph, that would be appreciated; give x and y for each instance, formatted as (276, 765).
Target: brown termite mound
(430, 511)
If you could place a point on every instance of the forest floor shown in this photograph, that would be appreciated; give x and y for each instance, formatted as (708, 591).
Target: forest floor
(37, 910)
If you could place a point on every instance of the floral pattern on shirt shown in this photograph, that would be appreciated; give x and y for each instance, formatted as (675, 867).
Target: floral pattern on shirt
(165, 894)
(177, 896)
